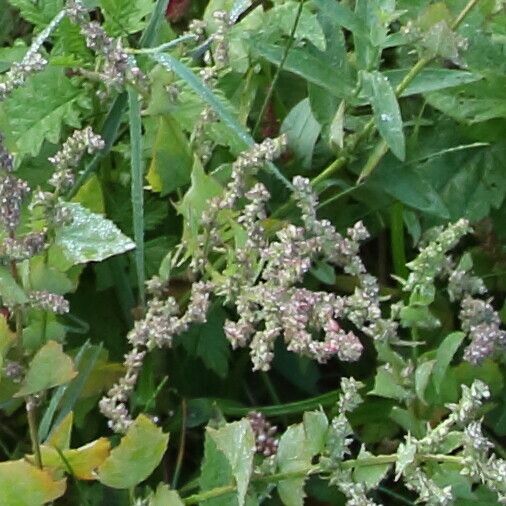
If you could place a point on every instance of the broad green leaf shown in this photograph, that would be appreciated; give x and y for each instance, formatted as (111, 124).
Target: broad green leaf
(81, 462)
(60, 436)
(165, 497)
(49, 367)
(7, 337)
(386, 385)
(31, 121)
(408, 421)
(302, 130)
(237, 442)
(44, 277)
(444, 355)
(294, 454)
(90, 237)
(208, 342)
(10, 292)
(387, 113)
(39, 13)
(123, 17)
(441, 40)
(171, 160)
(371, 476)
(340, 14)
(136, 457)
(22, 484)
(316, 427)
(91, 196)
(422, 377)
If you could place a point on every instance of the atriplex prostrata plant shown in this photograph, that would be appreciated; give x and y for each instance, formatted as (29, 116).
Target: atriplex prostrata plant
(241, 251)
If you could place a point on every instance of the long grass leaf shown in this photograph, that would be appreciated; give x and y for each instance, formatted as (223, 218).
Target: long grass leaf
(155, 22)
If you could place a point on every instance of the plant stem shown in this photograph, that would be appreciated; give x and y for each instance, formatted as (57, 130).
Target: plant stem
(397, 240)
(182, 444)
(32, 426)
(274, 81)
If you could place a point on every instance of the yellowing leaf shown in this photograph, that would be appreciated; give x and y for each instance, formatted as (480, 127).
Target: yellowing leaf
(80, 462)
(22, 484)
(60, 436)
(136, 457)
(49, 367)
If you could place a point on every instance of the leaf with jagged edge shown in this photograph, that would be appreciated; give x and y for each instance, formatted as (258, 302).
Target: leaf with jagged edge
(29, 120)
(123, 17)
(39, 13)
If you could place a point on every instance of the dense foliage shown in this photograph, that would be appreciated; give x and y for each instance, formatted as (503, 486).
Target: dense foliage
(273, 230)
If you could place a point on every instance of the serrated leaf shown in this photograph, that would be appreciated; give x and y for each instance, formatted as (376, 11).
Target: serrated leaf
(90, 237)
(422, 377)
(171, 160)
(39, 13)
(123, 17)
(81, 462)
(371, 476)
(22, 484)
(444, 355)
(386, 385)
(136, 457)
(294, 454)
(165, 497)
(316, 427)
(387, 113)
(31, 121)
(49, 367)
(10, 292)
(237, 442)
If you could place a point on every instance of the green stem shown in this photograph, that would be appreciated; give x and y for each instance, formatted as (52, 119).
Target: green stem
(182, 444)
(274, 81)
(397, 240)
(32, 426)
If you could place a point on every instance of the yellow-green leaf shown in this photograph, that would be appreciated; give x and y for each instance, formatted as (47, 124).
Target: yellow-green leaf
(22, 484)
(136, 457)
(165, 497)
(49, 367)
(60, 436)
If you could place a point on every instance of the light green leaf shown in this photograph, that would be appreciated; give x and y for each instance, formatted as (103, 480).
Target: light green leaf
(171, 160)
(337, 126)
(49, 367)
(371, 476)
(237, 442)
(10, 291)
(316, 427)
(165, 497)
(22, 484)
(444, 354)
(136, 457)
(123, 17)
(387, 113)
(422, 377)
(302, 130)
(386, 385)
(31, 121)
(90, 237)
(39, 13)
(294, 454)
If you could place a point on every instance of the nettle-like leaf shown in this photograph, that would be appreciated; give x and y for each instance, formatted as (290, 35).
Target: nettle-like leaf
(123, 17)
(23, 484)
(237, 442)
(49, 367)
(31, 119)
(41, 12)
(90, 237)
(136, 457)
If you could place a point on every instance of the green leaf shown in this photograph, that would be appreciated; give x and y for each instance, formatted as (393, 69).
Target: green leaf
(171, 159)
(31, 121)
(39, 13)
(422, 377)
(387, 113)
(371, 476)
(341, 15)
(10, 291)
(137, 455)
(165, 497)
(386, 385)
(302, 130)
(444, 354)
(123, 17)
(316, 426)
(89, 237)
(237, 442)
(337, 126)
(208, 341)
(294, 454)
(49, 367)
(22, 484)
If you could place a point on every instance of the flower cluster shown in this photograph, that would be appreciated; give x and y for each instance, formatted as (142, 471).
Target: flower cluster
(155, 330)
(118, 67)
(49, 302)
(32, 62)
(266, 443)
